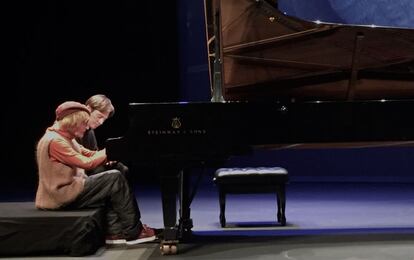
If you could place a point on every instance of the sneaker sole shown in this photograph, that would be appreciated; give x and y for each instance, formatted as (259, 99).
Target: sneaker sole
(116, 242)
(141, 240)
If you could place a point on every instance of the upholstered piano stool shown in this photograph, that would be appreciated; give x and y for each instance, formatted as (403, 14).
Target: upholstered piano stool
(27, 231)
(252, 180)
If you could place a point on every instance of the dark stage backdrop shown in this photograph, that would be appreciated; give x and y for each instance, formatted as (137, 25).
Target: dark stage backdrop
(70, 50)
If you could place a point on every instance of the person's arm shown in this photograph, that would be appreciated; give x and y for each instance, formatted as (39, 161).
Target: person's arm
(85, 151)
(62, 151)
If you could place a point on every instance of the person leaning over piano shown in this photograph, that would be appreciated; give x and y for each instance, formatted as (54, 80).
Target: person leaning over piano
(63, 184)
(101, 109)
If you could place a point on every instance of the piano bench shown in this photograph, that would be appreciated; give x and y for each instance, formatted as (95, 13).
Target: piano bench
(252, 180)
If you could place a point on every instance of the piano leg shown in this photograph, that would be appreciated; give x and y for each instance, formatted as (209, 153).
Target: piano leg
(171, 186)
(185, 222)
(169, 189)
(281, 204)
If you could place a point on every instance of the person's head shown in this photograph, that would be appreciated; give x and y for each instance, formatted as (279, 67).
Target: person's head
(101, 109)
(73, 118)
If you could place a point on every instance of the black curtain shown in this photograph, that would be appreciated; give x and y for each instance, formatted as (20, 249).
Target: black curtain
(70, 50)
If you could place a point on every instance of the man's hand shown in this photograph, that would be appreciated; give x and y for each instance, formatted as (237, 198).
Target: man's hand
(110, 163)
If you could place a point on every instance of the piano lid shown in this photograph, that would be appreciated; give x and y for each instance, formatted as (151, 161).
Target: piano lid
(268, 55)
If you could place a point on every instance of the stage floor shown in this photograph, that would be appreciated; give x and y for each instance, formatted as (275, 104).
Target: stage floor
(334, 221)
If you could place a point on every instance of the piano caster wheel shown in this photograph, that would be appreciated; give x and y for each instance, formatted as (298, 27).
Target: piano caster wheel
(168, 249)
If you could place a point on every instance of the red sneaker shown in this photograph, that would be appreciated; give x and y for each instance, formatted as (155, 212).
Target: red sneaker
(147, 234)
(118, 239)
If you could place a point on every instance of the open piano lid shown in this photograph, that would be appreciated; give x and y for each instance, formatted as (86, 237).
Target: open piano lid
(268, 55)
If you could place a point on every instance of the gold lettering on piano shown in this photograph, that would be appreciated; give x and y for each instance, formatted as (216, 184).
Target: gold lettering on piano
(176, 129)
(176, 132)
(164, 132)
(197, 131)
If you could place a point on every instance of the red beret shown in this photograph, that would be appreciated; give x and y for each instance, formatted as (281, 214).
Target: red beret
(69, 107)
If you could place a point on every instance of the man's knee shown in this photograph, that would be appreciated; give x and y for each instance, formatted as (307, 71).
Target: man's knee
(122, 168)
(117, 179)
(115, 173)
(109, 176)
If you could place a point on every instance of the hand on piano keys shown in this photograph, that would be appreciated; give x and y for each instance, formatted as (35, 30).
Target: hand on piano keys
(110, 163)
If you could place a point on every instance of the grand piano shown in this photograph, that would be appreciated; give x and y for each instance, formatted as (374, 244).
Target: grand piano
(276, 81)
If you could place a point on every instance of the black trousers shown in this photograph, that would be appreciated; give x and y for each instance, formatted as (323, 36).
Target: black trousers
(117, 166)
(111, 190)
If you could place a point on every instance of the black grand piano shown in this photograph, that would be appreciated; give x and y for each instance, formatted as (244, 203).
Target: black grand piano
(276, 81)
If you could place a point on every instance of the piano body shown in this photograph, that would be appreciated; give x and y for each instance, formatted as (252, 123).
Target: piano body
(275, 81)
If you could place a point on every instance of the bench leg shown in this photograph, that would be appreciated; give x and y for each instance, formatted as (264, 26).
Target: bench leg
(222, 199)
(281, 204)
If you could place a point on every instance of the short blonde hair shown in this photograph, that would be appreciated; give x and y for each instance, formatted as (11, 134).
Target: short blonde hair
(101, 103)
(74, 120)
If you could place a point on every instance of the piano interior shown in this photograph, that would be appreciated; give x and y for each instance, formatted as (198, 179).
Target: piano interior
(258, 53)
